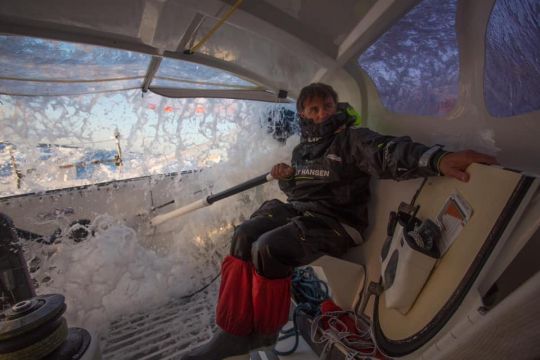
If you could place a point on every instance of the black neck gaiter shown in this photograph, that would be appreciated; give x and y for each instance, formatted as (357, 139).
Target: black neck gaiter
(312, 132)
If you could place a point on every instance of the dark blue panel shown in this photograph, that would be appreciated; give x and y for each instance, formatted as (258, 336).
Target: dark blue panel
(415, 64)
(512, 75)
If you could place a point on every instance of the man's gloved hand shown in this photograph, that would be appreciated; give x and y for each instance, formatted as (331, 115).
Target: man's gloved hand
(282, 171)
(454, 164)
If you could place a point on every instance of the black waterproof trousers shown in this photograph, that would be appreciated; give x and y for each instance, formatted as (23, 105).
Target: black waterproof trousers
(278, 237)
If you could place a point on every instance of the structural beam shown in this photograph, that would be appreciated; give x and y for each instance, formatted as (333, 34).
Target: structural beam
(274, 25)
(380, 17)
(151, 72)
(258, 95)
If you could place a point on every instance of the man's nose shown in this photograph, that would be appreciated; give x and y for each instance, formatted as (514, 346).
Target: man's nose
(323, 114)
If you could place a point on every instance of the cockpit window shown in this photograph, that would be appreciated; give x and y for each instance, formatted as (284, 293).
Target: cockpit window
(38, 67)
(415, 64)
(74, 114)
(56, 142)
(512, 70)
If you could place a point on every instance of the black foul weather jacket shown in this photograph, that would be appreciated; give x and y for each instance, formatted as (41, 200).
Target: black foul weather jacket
(335, 160)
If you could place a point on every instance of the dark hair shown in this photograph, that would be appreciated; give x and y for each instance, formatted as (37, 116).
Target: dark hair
(314, 90)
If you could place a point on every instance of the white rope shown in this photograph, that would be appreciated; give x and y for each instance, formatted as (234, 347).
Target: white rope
(357, 346)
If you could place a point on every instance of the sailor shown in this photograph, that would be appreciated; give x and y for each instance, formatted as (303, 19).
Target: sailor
(327, 188)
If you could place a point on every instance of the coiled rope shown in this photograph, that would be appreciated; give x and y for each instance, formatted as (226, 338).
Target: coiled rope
(357, 344)
(328, 328)
(309, 293)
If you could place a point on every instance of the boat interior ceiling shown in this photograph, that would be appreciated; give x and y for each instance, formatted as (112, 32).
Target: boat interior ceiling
(461, 73)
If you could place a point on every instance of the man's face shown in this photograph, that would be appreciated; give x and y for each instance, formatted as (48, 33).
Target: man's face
(319, 109)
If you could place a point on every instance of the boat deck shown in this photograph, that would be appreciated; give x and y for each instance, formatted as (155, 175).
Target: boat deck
(169, 331)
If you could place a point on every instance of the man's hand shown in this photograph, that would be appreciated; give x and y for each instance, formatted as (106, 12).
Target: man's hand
(454, 164)
(282, 171)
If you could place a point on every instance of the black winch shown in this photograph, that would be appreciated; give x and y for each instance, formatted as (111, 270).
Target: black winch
(36, 329)
(32, 327)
